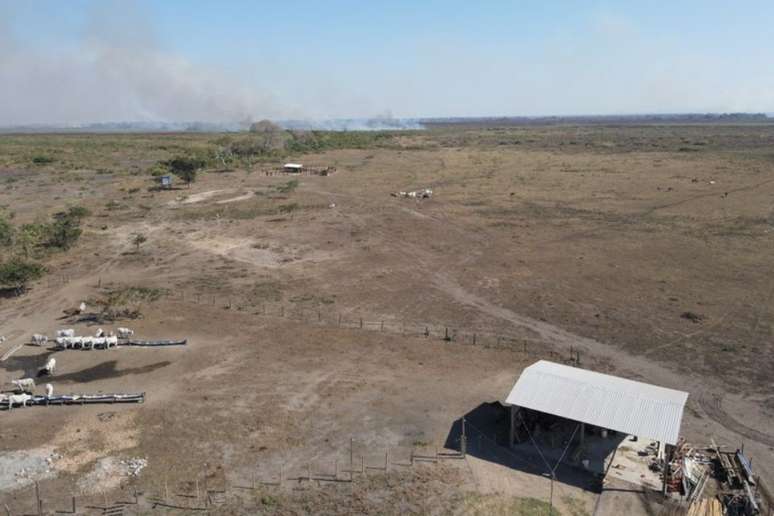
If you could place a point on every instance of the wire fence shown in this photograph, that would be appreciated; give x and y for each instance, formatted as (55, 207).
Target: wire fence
(353, 320)
(205, 490)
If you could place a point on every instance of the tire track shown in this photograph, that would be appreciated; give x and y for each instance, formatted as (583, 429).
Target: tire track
(712, 404)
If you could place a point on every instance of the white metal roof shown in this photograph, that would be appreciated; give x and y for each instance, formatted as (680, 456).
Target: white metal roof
(293, 165)
(634, 408)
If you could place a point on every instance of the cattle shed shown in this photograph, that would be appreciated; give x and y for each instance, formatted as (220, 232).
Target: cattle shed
(604, 401)
(292, 167)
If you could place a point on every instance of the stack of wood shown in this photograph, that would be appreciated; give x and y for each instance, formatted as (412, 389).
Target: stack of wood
(706, 507)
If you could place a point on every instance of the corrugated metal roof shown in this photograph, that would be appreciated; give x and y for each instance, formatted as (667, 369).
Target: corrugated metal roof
(635, 408)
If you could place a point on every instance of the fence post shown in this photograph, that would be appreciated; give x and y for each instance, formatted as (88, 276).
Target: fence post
(319, 316)
(361, 323)
(74, 507)
(37, 498)
(474, 339)
(387, 459)
(282, 311)
(351, 457)
(525, 346)
(339, 323)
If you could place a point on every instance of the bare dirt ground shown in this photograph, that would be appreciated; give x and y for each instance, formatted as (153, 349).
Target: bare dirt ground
(595, 238)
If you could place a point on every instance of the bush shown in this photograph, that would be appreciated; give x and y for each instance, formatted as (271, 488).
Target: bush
(16, 273)
(63, 232)
(41, 159)
(6, 233)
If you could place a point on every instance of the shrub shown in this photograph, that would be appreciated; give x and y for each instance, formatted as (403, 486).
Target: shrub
(16, 273)
(41, 159)
(6, 232)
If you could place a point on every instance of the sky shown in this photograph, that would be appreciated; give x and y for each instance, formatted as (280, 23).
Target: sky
(83, 61)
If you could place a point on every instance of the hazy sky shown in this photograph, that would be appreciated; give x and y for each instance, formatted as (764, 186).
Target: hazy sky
(81, 61)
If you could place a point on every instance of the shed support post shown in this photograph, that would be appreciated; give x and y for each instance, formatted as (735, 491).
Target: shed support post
(514, 410)
(582, 433)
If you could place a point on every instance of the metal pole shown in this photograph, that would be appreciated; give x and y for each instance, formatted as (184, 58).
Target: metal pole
(551, 497)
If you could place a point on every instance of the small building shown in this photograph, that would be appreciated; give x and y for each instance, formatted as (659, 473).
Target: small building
(292, 167)
(165, 181)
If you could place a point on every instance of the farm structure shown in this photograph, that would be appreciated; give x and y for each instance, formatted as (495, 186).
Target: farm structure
(594, 416)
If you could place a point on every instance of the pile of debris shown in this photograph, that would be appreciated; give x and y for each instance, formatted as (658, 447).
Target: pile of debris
(712, 480)
(424, 193)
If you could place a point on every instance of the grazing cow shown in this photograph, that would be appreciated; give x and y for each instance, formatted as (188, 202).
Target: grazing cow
(20, 399)
(124, 333)
(87, 343)
(99, 342)
(111, 340)
(24, 385)
(69, 332)
(99, 333)
(63, 342)
(39, 339)
(48, 369)
(49, 390)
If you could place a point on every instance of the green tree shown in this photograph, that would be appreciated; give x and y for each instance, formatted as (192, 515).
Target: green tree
(63, 233)
(185, 167)
(17, 273)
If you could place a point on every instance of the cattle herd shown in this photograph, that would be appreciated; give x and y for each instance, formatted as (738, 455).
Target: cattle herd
(24, 388)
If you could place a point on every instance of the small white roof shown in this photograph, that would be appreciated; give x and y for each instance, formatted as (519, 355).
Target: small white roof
(293, 165)
(634, 408)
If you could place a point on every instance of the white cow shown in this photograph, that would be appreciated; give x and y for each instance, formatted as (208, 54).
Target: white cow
(81, 307)
(69, 332)
(20, 399)
(63, 342)
(39, 339)
(111, 340)
(124, 333)
(87, 342)
(49, 367)
(24, 385)
(99, 342)
(99, 333)
(49, 390)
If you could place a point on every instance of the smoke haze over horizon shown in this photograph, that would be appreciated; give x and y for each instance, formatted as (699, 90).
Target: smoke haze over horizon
(81, 62)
